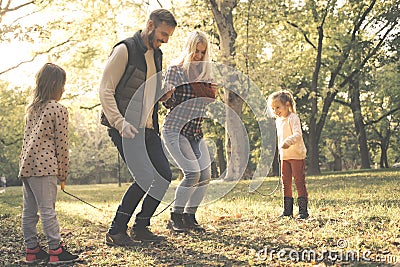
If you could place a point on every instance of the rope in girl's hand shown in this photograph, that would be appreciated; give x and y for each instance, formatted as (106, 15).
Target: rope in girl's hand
(277, 185)
(80, 199)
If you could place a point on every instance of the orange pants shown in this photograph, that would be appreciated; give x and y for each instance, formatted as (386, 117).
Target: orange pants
(297, 169)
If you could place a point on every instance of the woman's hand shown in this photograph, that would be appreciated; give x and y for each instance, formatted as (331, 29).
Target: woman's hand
(167, 95)
(214, 89)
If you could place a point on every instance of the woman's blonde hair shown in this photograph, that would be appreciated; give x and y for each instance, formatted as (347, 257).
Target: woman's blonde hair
(50, 82)
(188, 52)
(283, 96)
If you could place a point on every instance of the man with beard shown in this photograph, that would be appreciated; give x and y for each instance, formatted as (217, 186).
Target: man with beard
(129, 91)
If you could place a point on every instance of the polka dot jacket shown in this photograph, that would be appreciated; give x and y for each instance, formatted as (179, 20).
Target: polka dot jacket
(45, 146)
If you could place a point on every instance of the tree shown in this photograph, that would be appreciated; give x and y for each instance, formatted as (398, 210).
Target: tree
(340, 65)
(222, 13)
(382, 116)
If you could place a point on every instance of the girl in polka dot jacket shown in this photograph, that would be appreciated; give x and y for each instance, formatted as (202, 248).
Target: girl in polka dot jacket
(43, 160)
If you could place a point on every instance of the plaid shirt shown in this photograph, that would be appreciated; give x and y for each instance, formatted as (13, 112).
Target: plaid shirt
(175, 77)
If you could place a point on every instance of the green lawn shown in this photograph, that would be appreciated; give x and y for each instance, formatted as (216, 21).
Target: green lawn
(353, 215)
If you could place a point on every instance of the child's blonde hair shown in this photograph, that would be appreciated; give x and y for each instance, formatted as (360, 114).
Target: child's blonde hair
(283, 96)
(50, 82)
(188, 52)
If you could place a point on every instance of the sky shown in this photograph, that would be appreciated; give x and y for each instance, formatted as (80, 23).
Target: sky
(16, 51)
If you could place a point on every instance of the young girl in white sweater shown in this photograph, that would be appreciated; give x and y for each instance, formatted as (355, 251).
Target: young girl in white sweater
(292, 151)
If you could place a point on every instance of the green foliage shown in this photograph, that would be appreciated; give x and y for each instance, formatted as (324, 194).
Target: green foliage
(94, 159)
(12, 110)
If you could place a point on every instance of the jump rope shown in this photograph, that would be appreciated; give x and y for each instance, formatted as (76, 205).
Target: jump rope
(93, 206)
(277, 185)
(170, 204)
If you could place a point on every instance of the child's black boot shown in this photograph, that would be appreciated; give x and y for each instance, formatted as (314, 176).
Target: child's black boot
(287, 207)
(303, 210)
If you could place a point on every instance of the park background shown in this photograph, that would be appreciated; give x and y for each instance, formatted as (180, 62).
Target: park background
(339, 58)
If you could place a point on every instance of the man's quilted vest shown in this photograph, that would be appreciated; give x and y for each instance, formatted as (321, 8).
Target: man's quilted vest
(130, 89)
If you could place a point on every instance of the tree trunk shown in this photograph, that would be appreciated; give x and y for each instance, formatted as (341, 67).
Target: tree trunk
(337, 163)
(214, 170)
(98, 177)
(119, 170)
(235, 146)
(313, 150)
(358, 122)
(336, 152)
(384, 148)
(275, 170)
(222, 12)
(220, 156)
(383, 163)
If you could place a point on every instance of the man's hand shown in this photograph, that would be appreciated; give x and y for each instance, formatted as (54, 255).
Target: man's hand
(285, 146)
(62, 185)
(167, 95)
(129, 131)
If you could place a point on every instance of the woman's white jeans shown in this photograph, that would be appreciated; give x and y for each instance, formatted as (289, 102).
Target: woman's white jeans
(193, 158)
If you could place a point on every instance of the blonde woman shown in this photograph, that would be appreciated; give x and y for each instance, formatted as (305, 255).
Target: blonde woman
(190, 79)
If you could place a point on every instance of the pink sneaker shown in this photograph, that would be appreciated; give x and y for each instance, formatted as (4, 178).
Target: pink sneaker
(35, 255)
(61, 255)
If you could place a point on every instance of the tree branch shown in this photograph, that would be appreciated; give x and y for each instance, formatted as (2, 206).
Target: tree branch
(34, 57)
(25, 16)
(303, 32)
(344, 103)
(347, 49)
(360, 22)
(215, 10)
(158, 1)
(90, 108)
(369, 55)
(10, 143)
(8, 9)
(393, 111)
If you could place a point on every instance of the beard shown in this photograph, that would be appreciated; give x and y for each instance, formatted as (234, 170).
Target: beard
(150, 38)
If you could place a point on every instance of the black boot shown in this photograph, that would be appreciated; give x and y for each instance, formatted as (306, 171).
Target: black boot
(176, 223)
(189, 220)
(287, 207)
(303, 212)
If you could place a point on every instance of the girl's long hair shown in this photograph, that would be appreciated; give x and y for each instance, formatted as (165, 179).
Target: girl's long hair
(50, 81)
(185, 59)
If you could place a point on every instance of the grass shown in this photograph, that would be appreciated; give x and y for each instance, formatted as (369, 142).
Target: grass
(353, 214)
